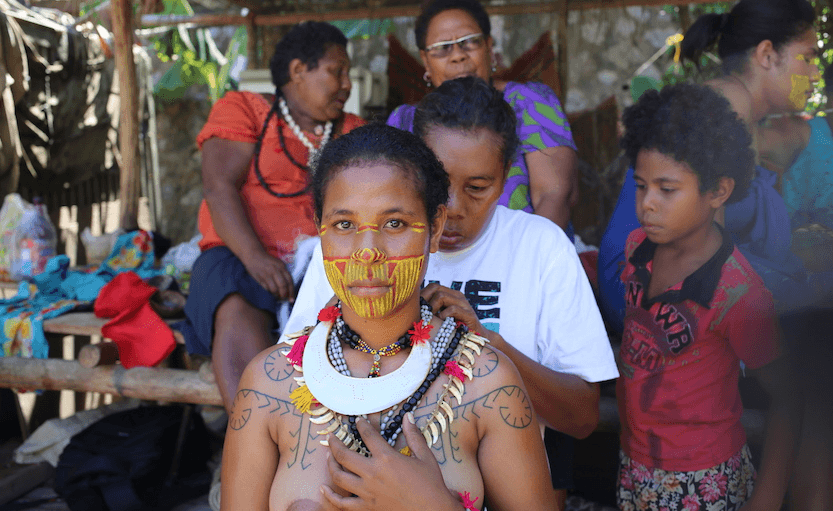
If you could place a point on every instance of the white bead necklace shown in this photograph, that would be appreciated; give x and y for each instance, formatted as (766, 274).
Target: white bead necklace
(313, 151)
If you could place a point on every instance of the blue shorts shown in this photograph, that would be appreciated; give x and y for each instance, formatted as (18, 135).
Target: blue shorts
(218, 273)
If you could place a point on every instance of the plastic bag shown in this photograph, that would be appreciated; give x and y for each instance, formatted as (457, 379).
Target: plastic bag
(34, 242)
(180, 259)
(14, 206)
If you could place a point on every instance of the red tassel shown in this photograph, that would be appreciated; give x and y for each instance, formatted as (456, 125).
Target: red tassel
(452, 368)
(296, 354)
(468, 503)
(420, 333)
(329, 314)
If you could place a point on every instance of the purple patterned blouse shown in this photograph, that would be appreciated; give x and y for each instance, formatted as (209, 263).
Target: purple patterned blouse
(541, 123)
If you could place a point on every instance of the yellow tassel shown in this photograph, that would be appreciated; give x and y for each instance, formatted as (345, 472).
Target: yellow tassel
(405, 450)
(675, 41)
(302, 398)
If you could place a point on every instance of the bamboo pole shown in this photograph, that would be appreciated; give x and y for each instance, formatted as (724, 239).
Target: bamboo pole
(130, 178)
(563, 65)
(150, 383)
(208, 20)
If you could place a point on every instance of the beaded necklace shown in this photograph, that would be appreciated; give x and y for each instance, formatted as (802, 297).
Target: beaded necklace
(357, 343)
(452, 352)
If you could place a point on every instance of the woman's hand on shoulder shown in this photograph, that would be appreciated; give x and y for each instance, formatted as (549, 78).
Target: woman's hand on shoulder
(448, 302)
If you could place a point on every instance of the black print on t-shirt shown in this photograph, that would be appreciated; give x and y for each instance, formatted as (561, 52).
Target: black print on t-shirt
(473, 293)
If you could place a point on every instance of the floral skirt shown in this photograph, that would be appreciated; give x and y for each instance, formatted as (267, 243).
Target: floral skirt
(722, 488)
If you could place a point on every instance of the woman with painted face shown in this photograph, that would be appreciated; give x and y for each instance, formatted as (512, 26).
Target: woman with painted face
(768, 50)
(513, 277)
(257, 206)
(454, 39)
(379, 375)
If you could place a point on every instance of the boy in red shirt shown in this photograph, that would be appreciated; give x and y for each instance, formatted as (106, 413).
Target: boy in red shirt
(694, 310)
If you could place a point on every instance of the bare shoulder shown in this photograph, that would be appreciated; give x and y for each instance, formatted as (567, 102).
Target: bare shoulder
(263, 393)
(497, 378)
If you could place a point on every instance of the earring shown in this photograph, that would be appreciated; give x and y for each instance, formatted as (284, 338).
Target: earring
(427, 79)
(494, 67)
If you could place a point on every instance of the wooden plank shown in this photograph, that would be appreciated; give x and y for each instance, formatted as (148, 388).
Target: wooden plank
(267, 19)
(149, 383)
(130, 179)
(86, 323)
(580, 5)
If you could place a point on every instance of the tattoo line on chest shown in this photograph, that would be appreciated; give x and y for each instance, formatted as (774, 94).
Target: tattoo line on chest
(247, 401)
(510, 401)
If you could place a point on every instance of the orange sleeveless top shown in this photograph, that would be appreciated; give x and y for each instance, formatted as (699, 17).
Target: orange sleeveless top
(278, 222)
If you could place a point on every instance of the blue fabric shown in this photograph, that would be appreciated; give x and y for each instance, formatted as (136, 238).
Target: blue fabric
(612, 255)
(217, 273)
(58, 290)
(760, 228)
(808, 184)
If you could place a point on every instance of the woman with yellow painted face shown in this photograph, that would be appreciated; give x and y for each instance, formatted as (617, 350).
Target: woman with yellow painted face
(379, 375)
(769, 52)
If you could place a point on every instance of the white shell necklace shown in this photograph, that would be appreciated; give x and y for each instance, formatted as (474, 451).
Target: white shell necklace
(313, 151)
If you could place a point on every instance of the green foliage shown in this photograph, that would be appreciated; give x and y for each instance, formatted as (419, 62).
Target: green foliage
(197, 63)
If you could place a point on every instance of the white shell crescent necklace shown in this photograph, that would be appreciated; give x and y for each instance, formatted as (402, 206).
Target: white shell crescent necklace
(357, 396)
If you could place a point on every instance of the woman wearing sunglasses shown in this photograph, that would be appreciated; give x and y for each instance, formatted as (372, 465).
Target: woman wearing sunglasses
(454, 40)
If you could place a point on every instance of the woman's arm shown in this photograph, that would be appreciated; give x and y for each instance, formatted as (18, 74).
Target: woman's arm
(225, 164)
(250, 453)
(564, 402)
(553, 183)
(511, 454)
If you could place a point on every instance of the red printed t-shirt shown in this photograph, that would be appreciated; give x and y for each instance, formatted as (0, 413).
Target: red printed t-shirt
(678, 387)
(278, 222)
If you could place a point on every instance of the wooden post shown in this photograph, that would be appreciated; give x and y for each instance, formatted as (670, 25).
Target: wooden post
(129, 182)
(563, 64)
(251, 41)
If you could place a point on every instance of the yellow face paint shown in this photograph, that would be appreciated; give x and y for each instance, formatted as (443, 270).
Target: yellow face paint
(401, 274)
(322, 230)
(418, 227)
(798, 91)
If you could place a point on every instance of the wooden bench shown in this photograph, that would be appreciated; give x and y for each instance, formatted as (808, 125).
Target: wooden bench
(194, 385)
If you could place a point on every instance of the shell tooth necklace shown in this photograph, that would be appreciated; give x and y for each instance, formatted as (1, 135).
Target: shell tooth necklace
(313, 151)
(333, 399)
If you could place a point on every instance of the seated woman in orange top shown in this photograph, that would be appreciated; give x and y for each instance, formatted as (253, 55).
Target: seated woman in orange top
(257, 204)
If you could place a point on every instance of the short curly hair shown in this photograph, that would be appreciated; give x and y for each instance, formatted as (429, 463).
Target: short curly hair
(307, 41)
(377, 143)
(469, 103)
(432, 8)
(695, 125)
